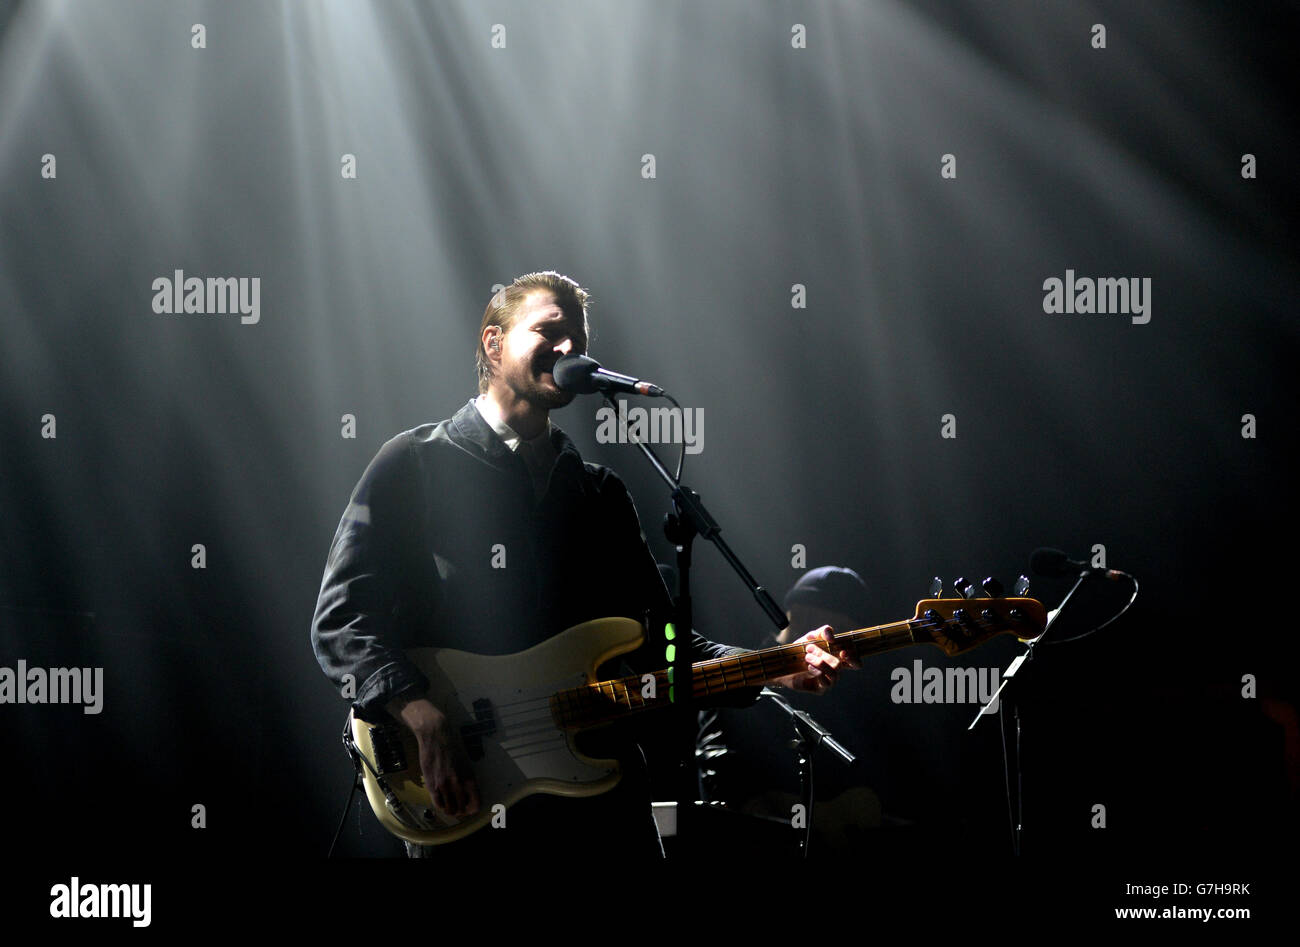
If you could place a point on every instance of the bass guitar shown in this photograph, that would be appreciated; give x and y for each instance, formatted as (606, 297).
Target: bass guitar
(518, 714)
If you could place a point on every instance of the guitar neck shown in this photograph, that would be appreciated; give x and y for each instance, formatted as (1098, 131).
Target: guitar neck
(755, 668)
(605, 701)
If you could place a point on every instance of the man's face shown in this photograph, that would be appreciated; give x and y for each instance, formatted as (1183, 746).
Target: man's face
(542, 333)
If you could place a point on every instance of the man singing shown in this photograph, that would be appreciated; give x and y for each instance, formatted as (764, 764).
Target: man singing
(488, 533)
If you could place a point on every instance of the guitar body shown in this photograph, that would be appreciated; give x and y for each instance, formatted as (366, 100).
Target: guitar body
(502, 707)
(518, 714)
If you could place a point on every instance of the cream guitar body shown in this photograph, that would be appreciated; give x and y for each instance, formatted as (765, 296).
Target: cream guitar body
(518, 715)
(502, 708)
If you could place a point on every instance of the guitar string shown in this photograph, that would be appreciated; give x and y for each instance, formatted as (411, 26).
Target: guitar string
(522, 724)
(520, 736)
(706, 673)
(513, 710)
(533, 737)
(581, 700)
(598, 697)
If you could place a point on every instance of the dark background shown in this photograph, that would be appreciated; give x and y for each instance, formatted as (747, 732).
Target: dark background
(775, 166)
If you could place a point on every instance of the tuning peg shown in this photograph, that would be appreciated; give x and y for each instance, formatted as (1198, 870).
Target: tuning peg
(936, 587)
(1021, 587)
(959, 586)
(993, 587)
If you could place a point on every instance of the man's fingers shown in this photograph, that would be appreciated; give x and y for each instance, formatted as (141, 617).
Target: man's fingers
(821, 659)
(430, 774)
(817, 636)
(822, 667)
(460, 787)
(444, 800)
(457, 795)
(824, 638)
(823, 662)
(468, 788)
(440, 778)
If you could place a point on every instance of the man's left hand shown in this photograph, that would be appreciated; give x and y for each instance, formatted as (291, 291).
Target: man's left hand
(823, 663)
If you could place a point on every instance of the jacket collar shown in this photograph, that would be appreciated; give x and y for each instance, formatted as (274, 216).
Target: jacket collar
(471, 432)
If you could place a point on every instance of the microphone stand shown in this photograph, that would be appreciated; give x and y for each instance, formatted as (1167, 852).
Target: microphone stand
(688, 520)
(994, 706)
(821, 737)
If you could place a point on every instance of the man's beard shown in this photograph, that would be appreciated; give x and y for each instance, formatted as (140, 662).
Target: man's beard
(532, 389)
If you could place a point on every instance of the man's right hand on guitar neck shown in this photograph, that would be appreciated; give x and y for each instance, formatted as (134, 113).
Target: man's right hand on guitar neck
(446, 771)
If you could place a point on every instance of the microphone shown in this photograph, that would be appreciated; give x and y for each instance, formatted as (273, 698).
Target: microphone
(584, 376)
(1053, 563)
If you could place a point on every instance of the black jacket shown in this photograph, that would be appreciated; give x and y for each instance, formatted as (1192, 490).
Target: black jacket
(415, 560)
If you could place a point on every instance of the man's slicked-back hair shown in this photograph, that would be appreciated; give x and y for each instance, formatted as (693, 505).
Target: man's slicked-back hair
(504, 308)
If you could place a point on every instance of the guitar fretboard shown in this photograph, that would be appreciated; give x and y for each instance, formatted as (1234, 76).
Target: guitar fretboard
(601, 702)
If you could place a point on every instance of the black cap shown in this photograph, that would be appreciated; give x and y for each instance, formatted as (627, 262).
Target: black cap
(834, 588)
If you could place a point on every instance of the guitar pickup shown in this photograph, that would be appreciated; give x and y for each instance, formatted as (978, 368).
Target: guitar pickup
(390, 756)
(484, 725)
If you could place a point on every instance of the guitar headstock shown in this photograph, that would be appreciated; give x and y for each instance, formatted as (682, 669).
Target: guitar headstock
(959, 624)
